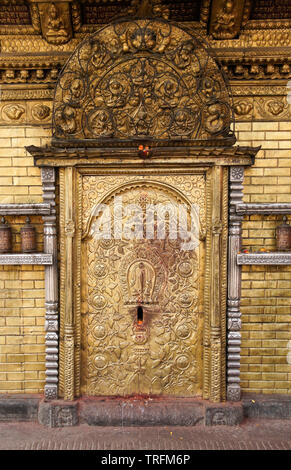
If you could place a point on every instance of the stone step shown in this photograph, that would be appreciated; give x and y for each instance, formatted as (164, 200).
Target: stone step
(140, 411)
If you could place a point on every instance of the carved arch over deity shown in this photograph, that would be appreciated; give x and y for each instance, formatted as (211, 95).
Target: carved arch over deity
(145, 79)
(169, 190)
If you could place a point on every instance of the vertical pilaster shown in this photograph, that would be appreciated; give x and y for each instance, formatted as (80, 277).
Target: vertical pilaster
(51, 286)
(69, 342)
(234, 285)
(215, 297)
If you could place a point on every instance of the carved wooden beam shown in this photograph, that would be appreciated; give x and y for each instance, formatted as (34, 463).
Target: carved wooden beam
(271, 208)
(25, 209)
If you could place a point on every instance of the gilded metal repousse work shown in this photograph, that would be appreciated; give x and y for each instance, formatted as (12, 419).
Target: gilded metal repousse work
(143, 78)
(55, 22)
(142, 316)
(162, 354)
(226, 18)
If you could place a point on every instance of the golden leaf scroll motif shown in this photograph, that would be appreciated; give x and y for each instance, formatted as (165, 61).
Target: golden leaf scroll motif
(162, 352)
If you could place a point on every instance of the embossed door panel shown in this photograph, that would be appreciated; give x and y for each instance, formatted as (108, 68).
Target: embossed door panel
(142, 299)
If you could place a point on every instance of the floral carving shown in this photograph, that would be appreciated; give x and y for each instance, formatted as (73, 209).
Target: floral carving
(14, 111)
(40, 112)
(275, 107)
(163, 353)
(236, 173)
(243, 107)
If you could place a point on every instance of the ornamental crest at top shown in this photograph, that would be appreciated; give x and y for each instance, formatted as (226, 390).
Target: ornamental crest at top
(142, 79)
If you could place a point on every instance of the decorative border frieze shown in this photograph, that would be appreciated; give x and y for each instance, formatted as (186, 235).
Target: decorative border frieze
(269, 208)
(245, 88)
(13, 93)
(279, 258)
(23, 258)
(266, 108)
(32, 104)
(26, 112)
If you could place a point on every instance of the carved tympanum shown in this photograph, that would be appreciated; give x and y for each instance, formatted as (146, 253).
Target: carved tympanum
(141, 79)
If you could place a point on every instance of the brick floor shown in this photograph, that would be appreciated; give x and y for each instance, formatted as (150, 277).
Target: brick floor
(252, 434)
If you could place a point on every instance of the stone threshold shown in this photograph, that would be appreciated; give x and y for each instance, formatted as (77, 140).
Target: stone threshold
(138, 411)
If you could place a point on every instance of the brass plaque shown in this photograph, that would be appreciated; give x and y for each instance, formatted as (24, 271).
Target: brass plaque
(142, 299)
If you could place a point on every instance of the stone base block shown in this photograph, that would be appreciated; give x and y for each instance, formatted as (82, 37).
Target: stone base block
(267, 406)
(223, 414)
(18, 408)
(58, 413)
(141, 412)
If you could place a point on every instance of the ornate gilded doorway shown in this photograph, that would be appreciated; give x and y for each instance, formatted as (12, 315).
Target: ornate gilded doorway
(141, 112)
(142, 299)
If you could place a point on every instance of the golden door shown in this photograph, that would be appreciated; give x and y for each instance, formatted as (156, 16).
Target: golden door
(142, 298)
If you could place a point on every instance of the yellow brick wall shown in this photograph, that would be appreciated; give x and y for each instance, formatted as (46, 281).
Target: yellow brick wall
(22, 352)
(266, 293)
(266, 290)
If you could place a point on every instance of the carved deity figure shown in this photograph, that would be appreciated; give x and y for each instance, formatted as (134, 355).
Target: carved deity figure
(225, 21)
(116, 94)
(141, 280)
(55, 24)
(64, 417)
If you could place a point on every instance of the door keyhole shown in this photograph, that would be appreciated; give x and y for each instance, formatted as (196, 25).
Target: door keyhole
(139, 315)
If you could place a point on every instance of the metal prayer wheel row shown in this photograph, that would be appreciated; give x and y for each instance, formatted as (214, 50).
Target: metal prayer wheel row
(27, 234)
